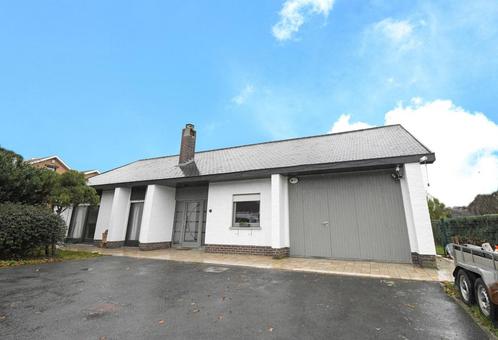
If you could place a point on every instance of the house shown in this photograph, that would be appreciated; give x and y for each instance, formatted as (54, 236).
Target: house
(55, 163)
(350, 195)
(90, 173)
(82, 215)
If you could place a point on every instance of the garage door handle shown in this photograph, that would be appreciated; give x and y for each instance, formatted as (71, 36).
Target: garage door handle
(325, 223)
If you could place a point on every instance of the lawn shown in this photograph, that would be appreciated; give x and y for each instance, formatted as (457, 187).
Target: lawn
(62, 255)
(473, 310)
(440, 250)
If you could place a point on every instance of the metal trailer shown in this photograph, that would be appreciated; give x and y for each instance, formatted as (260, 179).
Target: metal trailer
(476, 276)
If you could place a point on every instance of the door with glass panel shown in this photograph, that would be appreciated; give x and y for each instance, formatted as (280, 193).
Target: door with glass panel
(188, 223)
(134, 221)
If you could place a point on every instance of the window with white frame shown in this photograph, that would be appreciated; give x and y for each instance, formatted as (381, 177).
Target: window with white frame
(246, 211)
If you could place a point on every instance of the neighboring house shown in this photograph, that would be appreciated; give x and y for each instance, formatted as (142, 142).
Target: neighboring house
(90, 173)
(56, 164)
(53, 163)
(351, 195)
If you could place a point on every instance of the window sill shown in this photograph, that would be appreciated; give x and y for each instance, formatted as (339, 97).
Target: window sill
(245, 228)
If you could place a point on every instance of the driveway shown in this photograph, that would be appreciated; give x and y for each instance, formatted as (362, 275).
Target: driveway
(129, 298)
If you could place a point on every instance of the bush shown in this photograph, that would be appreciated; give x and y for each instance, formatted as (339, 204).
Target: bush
(25, 229)
(473, 230)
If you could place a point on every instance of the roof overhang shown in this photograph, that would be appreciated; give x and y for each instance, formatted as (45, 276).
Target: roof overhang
(358, 165)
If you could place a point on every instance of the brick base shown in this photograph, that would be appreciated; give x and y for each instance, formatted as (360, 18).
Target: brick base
(427, 261)
(154, 245)
(246, 250)
(280, 253)
(114, 244)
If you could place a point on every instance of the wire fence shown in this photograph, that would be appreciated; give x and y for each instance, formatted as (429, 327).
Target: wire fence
(473, 230)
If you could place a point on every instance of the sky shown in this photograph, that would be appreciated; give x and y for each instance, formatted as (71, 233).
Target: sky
(104, 83)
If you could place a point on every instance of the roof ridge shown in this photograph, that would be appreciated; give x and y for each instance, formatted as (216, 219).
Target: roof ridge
(279, 141)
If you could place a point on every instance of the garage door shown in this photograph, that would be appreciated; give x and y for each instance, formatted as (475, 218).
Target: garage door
(348, 216)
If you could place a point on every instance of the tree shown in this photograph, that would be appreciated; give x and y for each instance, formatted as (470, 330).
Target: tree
(21, 182)
(437, 209)
(70, 189)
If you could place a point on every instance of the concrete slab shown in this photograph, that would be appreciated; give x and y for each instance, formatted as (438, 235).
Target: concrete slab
(313, 265)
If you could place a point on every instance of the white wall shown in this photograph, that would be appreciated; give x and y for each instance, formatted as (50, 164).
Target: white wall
(119, 214)
(158, 214)
(416, 211)
(104, 216)
(219, 220)
(66, 216)
(280, 211)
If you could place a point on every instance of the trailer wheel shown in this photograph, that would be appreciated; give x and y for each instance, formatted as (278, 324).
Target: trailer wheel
(465, 286)
(483, 299)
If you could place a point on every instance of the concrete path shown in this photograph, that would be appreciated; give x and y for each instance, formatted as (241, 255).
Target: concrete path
(128, 298)
(326, 266)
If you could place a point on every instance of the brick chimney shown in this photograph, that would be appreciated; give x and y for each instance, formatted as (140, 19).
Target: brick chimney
(187, 148)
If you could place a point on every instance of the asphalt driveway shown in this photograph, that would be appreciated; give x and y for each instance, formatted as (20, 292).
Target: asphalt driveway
(126, 298)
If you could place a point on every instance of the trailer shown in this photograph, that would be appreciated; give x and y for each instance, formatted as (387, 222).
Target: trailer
(476, 276)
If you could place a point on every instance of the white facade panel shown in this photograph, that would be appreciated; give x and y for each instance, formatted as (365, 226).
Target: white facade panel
(280, 211)
(119, 214)
(220, 211)
(416, 211)
(104, 216)
(66, 216)
(158, 215)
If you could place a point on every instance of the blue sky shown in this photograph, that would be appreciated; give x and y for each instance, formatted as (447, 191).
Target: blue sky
(103, 83)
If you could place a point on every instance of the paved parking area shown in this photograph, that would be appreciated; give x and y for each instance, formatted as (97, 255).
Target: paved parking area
(314, 265)
(129, 298)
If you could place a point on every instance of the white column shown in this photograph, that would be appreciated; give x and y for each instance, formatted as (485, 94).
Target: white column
(416, 211)
(119, 215)
(104, 216)
(158, 216)
(66, 216)
(279, 212)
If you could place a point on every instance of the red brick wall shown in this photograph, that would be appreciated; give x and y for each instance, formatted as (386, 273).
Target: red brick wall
(246, 250)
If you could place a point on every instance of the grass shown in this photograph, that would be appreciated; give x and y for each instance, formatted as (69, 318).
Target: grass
(473, 310)
(440, 250)
(62, 255)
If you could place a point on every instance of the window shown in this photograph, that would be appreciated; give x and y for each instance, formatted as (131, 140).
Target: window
(51, 167)
(246, 211)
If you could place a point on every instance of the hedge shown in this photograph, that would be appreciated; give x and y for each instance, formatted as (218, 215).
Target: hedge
(24, 229)
(472, 229)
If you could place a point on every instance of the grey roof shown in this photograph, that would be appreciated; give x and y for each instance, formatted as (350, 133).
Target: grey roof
(372, 144)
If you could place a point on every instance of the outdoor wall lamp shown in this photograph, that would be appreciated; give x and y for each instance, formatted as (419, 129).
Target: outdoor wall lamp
(396, 175)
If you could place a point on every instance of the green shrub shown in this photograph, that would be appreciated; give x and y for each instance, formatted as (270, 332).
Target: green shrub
(25, 229)
(472, 229)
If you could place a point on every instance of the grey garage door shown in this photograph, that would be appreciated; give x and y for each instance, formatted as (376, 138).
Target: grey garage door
(348, 216)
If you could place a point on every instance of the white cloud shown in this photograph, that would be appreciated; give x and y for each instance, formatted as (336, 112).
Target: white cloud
(343, 124)
(244, 95)
(465, 143)
(395, 30)
(293, 15)
(401, 35)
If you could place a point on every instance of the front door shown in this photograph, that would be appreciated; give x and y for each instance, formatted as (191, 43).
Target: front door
(188, 224)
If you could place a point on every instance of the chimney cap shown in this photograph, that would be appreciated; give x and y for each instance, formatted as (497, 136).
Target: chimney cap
(189, 126)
